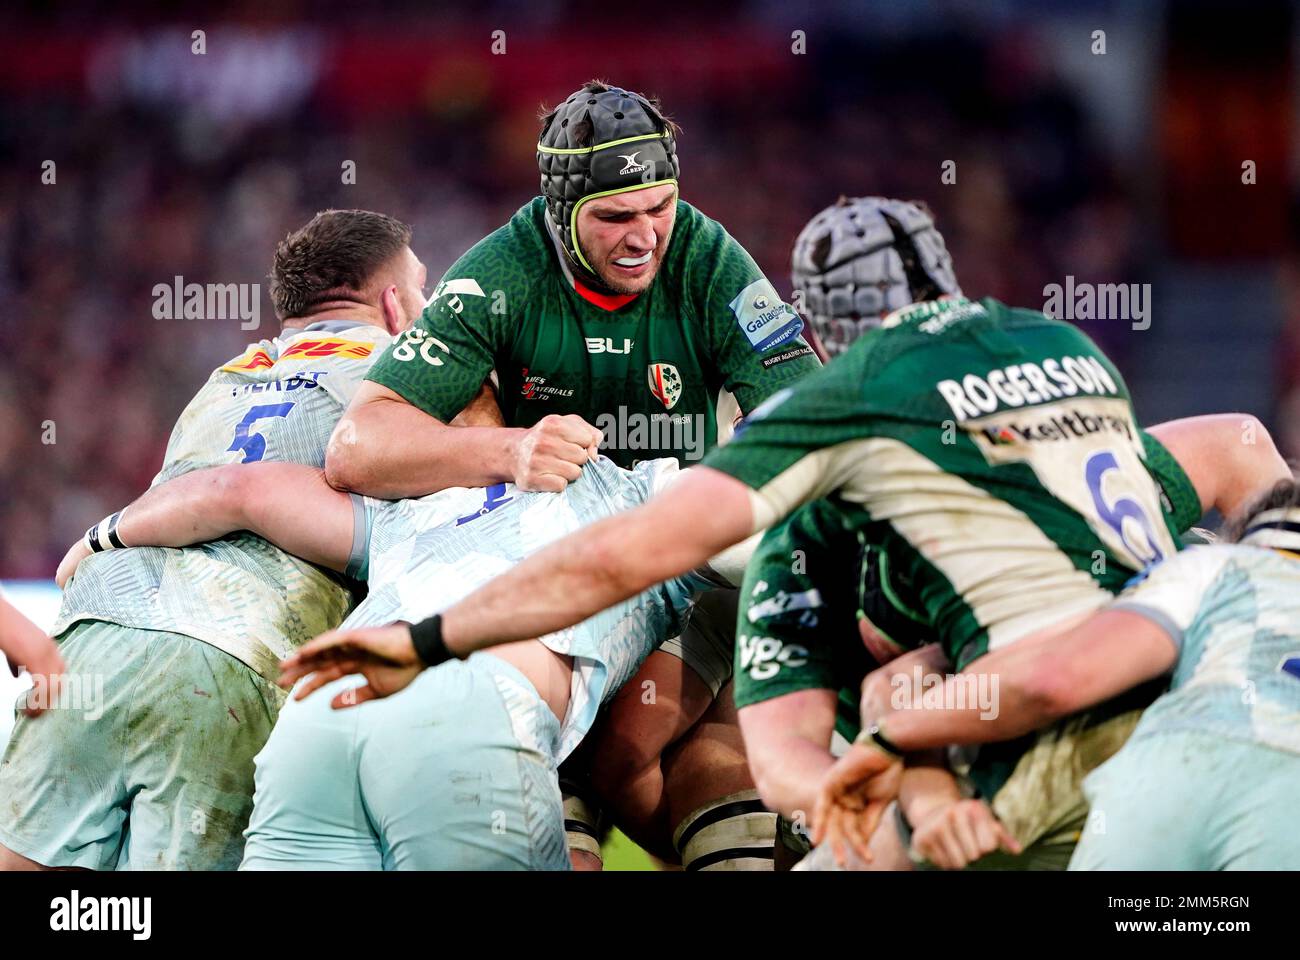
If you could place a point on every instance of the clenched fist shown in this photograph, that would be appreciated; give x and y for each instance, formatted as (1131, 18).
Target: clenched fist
(549, 455)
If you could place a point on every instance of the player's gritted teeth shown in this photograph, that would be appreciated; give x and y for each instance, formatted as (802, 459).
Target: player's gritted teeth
(635, 266)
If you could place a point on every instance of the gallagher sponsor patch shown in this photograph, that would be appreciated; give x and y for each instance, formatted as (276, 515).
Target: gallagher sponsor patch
(766, 319)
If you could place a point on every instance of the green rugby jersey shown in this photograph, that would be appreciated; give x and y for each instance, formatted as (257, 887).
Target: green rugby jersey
(645, 370)
(807, 589)
(992, 453)
(279, 400)
(819, 609)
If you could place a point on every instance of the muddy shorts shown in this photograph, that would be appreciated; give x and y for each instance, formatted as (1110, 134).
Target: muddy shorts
(145, 761)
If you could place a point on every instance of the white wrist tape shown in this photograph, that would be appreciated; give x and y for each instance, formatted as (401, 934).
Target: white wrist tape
(103, 535)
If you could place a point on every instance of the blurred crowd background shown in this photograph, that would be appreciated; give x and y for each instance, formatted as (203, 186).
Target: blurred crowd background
(1123, 166)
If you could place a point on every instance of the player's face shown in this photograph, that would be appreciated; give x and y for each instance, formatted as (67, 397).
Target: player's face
(624, 237)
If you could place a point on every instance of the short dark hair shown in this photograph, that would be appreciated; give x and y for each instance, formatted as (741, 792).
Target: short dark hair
(1283, 495)
(332, 257)
(580, 132)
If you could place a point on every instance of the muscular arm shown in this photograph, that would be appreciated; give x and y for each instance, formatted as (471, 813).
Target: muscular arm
(787, 742)
(385, 447)
(388, 448)
(1229, 457)
(1039, 681)
(288, 504)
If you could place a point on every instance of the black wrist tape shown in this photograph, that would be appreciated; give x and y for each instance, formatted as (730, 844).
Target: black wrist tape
(884, 743)
(426, 636)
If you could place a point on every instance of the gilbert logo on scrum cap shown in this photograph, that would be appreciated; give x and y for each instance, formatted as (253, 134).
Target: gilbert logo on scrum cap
(632, 166)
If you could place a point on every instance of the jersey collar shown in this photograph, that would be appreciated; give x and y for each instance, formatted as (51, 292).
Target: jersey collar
(926, 308)
(606, 301)
(334, 326)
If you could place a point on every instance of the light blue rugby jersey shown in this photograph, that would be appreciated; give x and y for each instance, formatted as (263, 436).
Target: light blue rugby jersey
(1234, 611)
(426, 554)
(278, 401)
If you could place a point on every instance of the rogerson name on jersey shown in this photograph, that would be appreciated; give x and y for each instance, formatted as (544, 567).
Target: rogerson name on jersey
(1026, 383)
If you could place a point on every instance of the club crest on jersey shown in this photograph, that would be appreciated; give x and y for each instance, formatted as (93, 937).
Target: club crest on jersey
(665, 384)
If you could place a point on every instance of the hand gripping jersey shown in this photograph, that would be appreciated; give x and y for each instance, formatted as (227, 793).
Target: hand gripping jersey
(645, 370)
(991, 452)
(426, 554)
(279, 401)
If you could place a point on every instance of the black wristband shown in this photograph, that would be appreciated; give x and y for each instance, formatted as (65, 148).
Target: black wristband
(876, 737)
(426, 637)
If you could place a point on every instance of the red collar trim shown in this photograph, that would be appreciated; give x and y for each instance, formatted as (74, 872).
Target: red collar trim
(606, 301)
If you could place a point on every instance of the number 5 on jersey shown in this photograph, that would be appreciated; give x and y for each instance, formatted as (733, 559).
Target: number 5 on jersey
(254, 444)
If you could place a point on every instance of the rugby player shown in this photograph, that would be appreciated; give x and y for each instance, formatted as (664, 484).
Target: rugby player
(1207, 780)
(460, 771)
(616, 316)
(993, 453)
(813, 625)
(812, 630)
(27, 647)
(186, 642)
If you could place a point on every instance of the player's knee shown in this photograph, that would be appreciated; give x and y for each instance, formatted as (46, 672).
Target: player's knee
(1257, 443)
(581, 830)
(734, 832)
(707, 763)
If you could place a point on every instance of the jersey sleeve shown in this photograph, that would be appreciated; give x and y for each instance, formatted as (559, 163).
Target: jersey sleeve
(1178, 494)
(440, 363)
(799, 445)
(797, 606)
(755, 337)
(363, 521)
(1170, 593)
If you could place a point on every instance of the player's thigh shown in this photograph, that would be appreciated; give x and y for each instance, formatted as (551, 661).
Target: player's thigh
(11, 862)
(199, 721)
(459, 773)
(668, 695)
(307, 808)
(652, 710)
(708, 762)
(61, 788)
(1148, 806)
